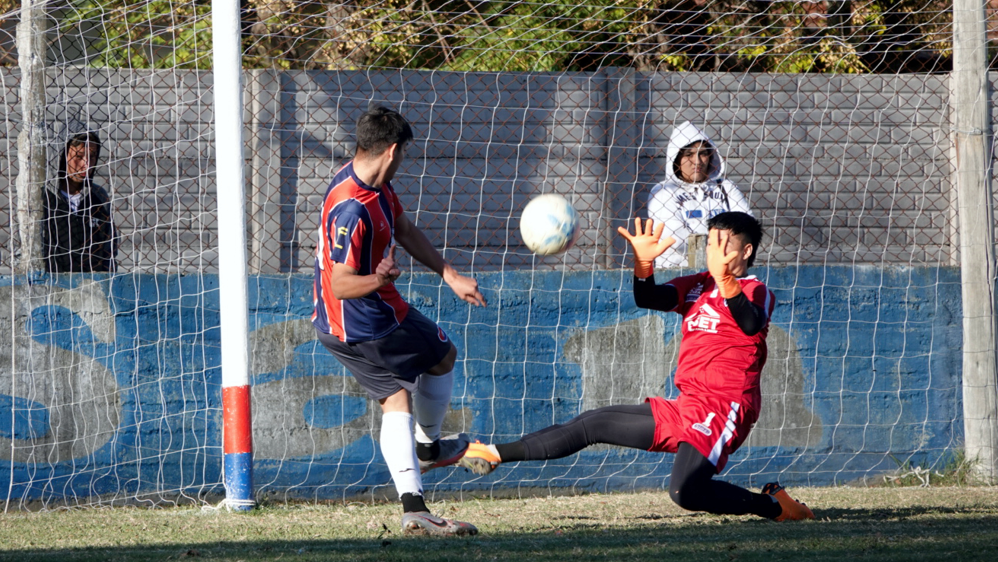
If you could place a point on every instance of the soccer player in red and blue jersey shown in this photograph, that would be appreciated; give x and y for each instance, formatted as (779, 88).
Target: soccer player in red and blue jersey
(725, 321)
(401, 358)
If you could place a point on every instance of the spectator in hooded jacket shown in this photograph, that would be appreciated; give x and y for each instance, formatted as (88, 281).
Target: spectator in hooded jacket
(78, 233)
(694, 190)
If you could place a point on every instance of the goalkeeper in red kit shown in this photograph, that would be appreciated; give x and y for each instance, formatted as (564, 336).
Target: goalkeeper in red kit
(725, 321)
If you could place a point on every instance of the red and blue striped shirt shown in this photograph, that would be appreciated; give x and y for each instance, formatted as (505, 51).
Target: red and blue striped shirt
(357, 228)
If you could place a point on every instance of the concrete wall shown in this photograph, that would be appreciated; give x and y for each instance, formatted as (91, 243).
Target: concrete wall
(113, 385)
(843, 169)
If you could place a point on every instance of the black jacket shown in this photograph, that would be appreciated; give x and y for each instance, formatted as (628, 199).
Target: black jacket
(83, 241)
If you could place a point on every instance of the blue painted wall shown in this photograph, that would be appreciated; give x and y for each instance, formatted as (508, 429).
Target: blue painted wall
(879, 349)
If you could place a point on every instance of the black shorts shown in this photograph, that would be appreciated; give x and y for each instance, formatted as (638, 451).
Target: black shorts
(388, 364)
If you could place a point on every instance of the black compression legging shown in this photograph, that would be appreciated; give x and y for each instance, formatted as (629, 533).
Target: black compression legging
(691, 485)
(627, 426)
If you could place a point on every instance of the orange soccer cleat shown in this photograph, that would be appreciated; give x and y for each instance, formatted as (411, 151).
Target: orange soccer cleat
(480, 459)
(793, 510)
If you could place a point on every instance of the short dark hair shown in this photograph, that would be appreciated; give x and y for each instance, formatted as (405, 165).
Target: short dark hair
(380, 128)
(740, 224)
(79, 139)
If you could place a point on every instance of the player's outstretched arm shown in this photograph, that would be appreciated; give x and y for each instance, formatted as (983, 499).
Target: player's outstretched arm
(421, 249)
(647, 244)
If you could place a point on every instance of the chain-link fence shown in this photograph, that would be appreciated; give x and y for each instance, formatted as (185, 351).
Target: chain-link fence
(842, 169)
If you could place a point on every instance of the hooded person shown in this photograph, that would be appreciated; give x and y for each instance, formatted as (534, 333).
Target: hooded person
(78, 233)
(694, 190)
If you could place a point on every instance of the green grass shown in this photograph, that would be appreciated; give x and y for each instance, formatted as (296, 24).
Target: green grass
(886, 523)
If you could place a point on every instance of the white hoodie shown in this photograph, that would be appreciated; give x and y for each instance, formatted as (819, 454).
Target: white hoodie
(685, 207)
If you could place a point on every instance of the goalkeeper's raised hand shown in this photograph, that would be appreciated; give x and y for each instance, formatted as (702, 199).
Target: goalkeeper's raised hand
(647, 245)
(718, 262)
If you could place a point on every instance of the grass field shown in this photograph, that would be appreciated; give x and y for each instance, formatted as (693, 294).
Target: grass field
(952, 524)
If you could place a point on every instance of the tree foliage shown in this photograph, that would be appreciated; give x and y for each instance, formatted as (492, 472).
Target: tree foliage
(552, 35)
(141, 34)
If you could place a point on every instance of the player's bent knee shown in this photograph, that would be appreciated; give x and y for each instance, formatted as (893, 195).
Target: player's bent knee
(676, 494)
(685, 495)
(684, 500)
(446, 364)
(398, 402)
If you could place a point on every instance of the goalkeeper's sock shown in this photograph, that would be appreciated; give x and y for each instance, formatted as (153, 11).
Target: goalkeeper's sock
(512, 452)
(770, 510)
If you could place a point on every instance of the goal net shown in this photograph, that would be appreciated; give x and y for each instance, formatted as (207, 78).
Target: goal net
(833, 120)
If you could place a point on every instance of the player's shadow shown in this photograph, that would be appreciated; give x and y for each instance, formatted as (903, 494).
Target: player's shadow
(897, 534)
(866, 515)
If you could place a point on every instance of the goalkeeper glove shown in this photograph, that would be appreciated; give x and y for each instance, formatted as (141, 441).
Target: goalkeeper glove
(647, 245)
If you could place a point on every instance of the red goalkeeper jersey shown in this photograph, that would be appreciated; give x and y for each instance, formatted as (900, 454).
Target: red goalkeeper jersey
(715, 356)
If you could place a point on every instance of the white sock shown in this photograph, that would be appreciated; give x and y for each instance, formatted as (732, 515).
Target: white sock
(429, 405)
(399, 451)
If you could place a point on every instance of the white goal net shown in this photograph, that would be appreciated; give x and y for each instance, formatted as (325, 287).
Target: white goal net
(833, 119)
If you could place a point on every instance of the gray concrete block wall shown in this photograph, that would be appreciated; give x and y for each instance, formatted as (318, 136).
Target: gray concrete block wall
(157, 160)
(842, 169)
(475, 162)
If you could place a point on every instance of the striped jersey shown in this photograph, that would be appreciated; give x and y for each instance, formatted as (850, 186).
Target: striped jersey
(356, 229)
(715, 355)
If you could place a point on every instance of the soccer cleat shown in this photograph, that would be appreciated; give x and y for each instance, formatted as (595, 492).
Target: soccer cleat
(452, 448)
(480, 459)
(793, 510)
(425, 523)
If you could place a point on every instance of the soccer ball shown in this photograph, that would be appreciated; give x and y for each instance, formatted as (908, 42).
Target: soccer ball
(549, 224)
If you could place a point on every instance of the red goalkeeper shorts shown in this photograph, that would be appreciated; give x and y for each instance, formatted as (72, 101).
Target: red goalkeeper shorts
(715, 426)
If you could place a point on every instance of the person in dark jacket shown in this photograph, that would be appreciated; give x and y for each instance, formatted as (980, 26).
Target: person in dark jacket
(78, 233)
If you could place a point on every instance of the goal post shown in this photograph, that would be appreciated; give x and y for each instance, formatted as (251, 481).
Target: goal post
(972, 133)
(232, 256)
(31, 153)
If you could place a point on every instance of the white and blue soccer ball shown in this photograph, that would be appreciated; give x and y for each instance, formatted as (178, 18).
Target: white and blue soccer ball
(549, 224)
